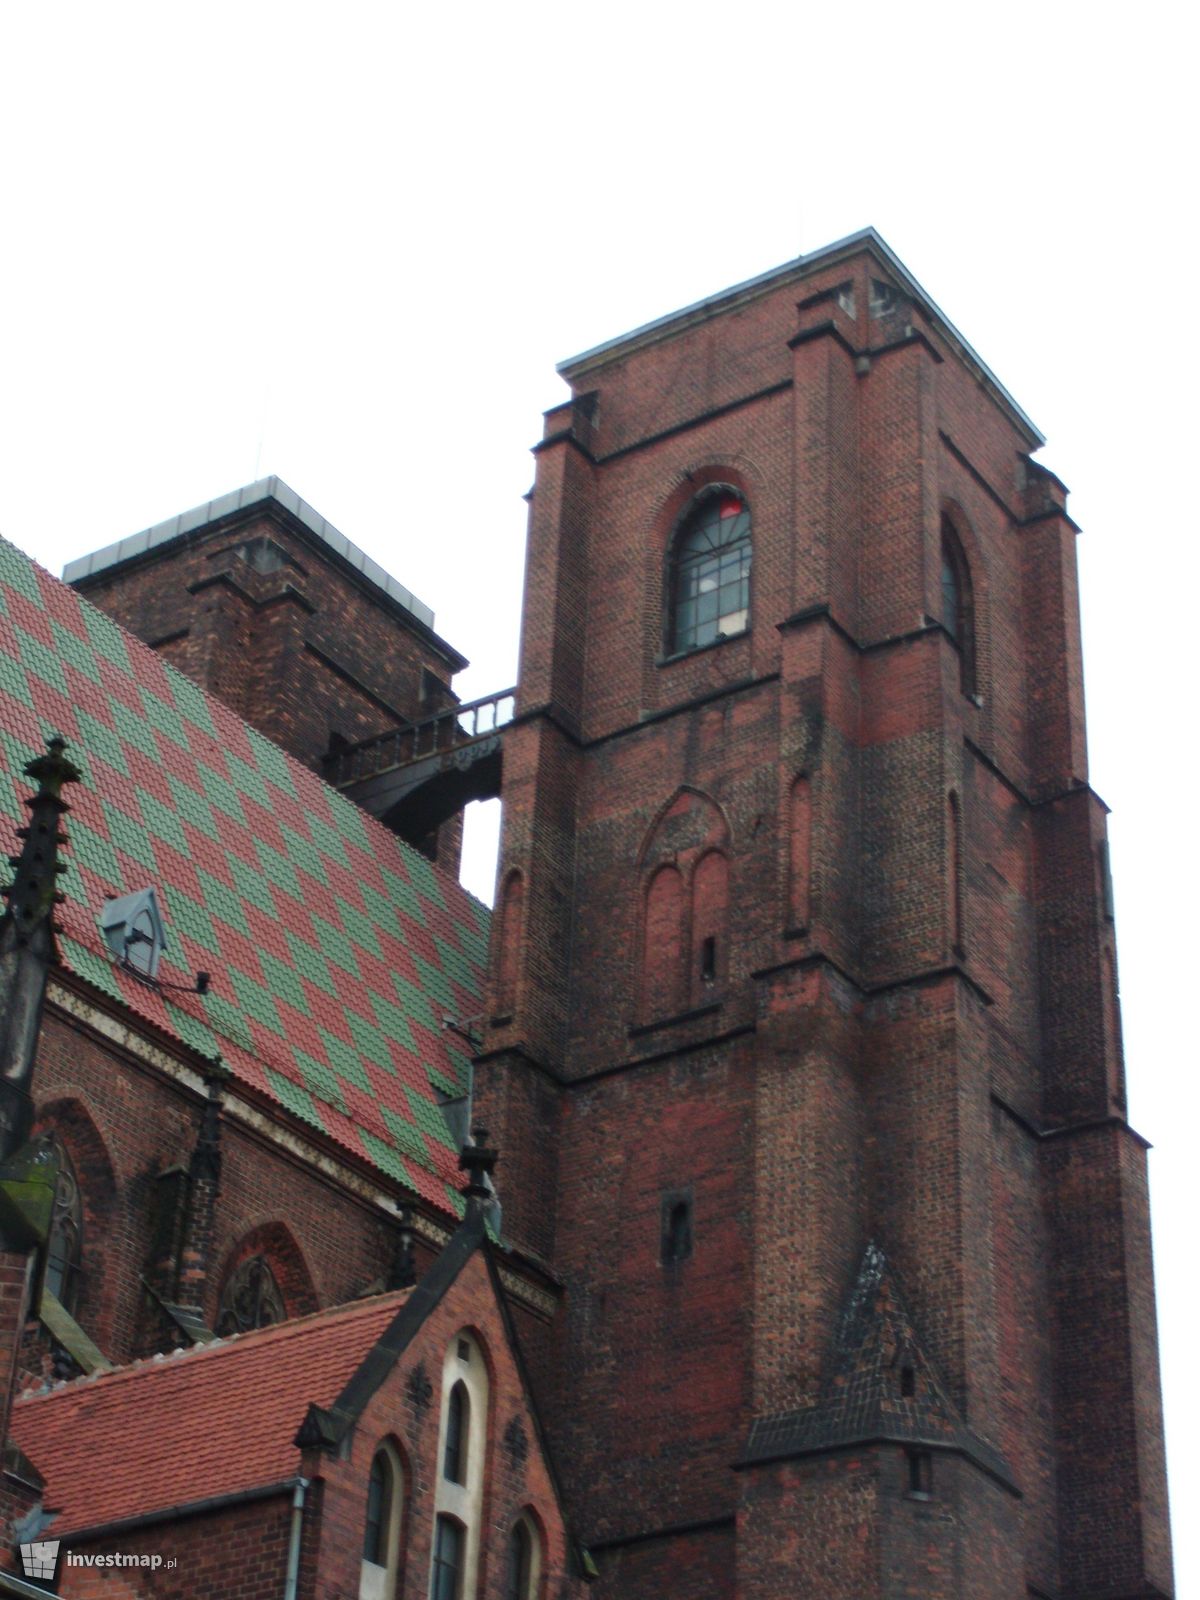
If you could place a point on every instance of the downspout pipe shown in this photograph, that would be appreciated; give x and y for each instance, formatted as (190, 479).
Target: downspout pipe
(293, 1561)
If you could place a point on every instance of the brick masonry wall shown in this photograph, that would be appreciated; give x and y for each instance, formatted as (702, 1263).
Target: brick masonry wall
(406, 1411)
(303, 653)
(955, 965)
(239, 1553)
(123, 1124)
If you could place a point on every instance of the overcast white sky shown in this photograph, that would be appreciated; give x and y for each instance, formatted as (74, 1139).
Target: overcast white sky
(348, 244)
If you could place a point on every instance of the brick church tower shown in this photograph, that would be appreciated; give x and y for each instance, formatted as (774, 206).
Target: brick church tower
(804, 1048)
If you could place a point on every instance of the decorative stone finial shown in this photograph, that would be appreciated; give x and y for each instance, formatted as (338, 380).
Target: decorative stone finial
(478, 1162)
(27, 937)
(33, 893)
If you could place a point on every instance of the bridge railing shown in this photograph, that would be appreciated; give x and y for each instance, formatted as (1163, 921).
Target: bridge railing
(449, 729)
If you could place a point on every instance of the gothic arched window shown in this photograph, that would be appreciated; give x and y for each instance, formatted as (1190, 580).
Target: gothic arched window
(448, 1560)
(458, 1433)
(462, 1451)
(381, 1535)
(709, 580)
(524, 1565)
(958, 604)
(252, 1298)
(65, 1240)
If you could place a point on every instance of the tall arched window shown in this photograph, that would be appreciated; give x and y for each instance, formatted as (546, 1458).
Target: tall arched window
(381, 1534)
(958, 604)
(462, 1452)
(523, 1565)
(458, 1434)
(709, 580)
(449, 1560)
(65, 1241)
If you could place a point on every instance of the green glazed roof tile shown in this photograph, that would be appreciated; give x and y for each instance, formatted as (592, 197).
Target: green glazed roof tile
(161, 822)
(387, 1158)
(406, 1133)
(284, 981)
(69, 647)
(344, 1060)
(334, 950)
(193, 1032)
(321, 1079)
(223, 902)
(302, 853)
(108, 640)
(221, 794)
(428, 1117)
(192, 704)
(297, 1100)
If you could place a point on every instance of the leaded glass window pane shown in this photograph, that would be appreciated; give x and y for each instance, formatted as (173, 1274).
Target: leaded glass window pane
(251, 1299)
(710, 578)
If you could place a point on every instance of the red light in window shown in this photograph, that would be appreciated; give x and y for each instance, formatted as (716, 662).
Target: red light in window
(730, 505)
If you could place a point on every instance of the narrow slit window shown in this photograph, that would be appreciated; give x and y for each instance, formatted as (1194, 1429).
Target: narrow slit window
(958, 605)
(708, 960)
(677, 1230)
(458, 1422)
(381, 1532)
(920, 1473)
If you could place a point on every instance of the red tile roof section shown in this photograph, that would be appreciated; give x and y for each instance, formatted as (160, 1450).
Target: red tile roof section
(214, 1420)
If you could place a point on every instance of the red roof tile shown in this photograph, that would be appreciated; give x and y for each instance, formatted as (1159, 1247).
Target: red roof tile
(213, 1420)
(335, 950)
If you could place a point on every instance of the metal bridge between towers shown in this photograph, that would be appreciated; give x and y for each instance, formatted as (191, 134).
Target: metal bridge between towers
(416, 777)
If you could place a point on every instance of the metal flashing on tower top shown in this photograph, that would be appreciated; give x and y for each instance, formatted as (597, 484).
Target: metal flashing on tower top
(674, 322)
(227, 505)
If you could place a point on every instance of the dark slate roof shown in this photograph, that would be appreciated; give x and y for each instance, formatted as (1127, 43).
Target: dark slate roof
(861, 1398)
(335, 949)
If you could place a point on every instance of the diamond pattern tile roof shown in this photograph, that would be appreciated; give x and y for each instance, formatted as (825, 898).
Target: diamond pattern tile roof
(216, 1419)
(335, 949)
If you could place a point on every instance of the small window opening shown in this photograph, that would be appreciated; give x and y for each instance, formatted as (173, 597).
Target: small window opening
(454, 1464)
(133, 930)
(677, 1230)
(708, 960)
(908, 1381)
(379, 1512)
(920, 1473)
(520, 1562)
(464, 1350)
